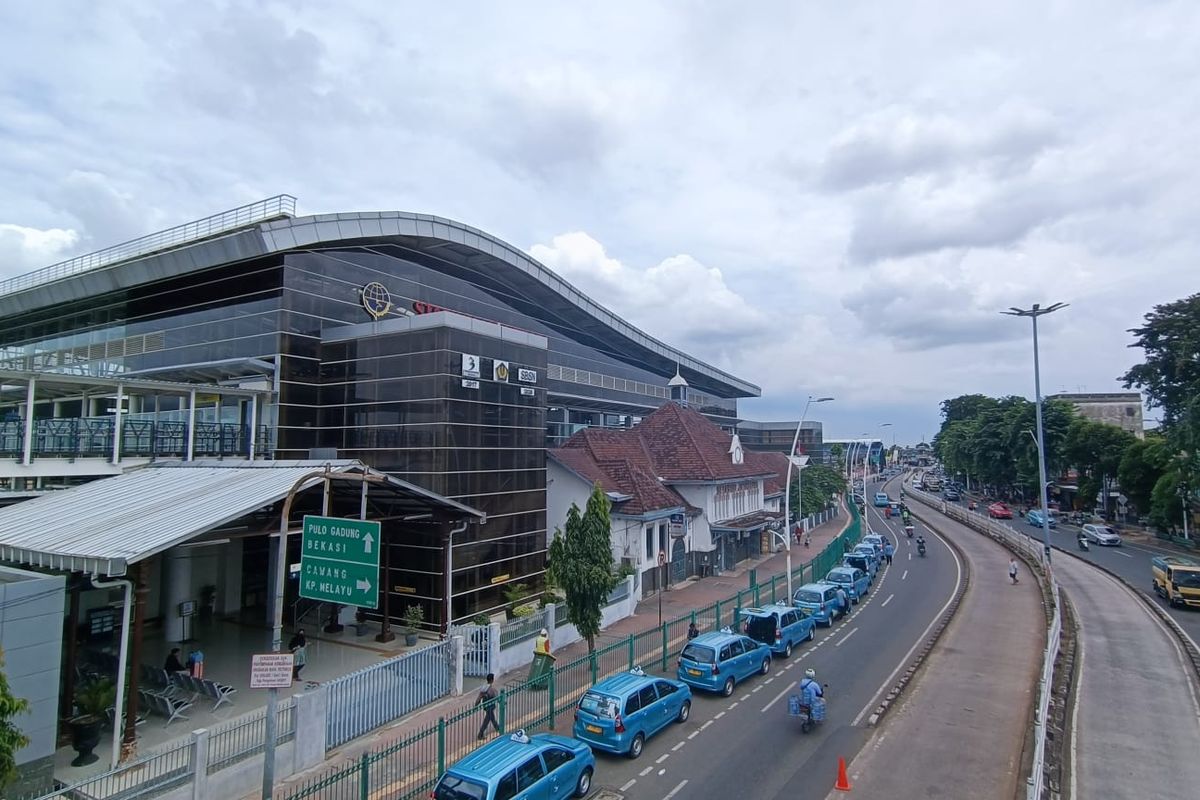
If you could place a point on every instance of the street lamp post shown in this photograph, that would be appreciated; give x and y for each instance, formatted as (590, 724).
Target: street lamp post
(1033, 314)
(886, 425)
(787, 491)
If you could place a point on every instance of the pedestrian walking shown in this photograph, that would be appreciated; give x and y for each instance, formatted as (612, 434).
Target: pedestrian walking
(693, 631)
(487, 699)
(299, 647)
(888, 551)
(1012, 570)
(541, 645)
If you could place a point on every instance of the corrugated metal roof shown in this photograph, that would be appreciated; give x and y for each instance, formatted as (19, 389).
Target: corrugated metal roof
(104, 525)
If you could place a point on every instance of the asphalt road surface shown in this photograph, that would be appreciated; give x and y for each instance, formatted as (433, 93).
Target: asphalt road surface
(1131, 561)
(747, 747)
(1136, 719)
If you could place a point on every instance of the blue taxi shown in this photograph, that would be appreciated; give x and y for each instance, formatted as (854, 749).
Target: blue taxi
(718, 661)
(821, 601)
(541, 765)
(877, 541)
(854, 581)
(620, 713)
(779, 627)
(864, 561)
(882, 499)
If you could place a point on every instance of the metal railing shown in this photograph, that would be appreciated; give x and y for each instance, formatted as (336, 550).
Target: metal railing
(518, 630)
(241, 738)
(280, 205)
(146, 777)
(376, 695)
(82, 437)
(410, 767)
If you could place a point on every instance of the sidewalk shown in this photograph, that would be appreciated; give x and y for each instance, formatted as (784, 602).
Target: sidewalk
(959, 733)
(678, 601)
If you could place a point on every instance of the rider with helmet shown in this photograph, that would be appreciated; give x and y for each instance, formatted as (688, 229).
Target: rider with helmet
(810, 690)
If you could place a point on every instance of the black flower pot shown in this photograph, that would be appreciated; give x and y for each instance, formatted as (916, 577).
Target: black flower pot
(85, 735)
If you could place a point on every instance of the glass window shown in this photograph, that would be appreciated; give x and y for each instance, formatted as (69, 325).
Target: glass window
(737, 648)
(698, 653)
(453, 787)
(646, 696)
(530, 773)
(726, 652)
(506, 789)
(662, 538)
(633, 704)
(557, 757)
(649, 542)
(665, 689)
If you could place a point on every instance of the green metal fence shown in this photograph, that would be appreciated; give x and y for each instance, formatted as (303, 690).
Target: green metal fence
(410, 767)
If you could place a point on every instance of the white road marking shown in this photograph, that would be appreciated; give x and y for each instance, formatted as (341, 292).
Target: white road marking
(1118, 552)
(693, 734)
(885, 602)
(910, 556)
(646, 772)
(717, 717)
(920, 639)
(746, 696)
(628, 783)
(677, 747)
(675, 791)
(1074, 732)
(662, 772)
(705, 725)
(767, 681)
(775, 699)
(847, 636)
(905, 575)
(734, 704)
(758, 688)
(662, 758)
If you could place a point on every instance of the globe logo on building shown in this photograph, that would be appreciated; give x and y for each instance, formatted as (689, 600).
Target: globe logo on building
(376, 299)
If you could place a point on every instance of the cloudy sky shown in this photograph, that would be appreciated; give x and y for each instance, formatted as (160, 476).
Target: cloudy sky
(823, 198)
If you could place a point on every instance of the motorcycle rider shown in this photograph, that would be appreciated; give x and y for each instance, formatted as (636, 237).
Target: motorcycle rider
(921, 545)
(810, 690)
(1083, 540)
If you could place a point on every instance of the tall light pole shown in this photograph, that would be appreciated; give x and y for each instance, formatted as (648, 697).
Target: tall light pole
(1033, 314)
(787, 492)
(886, 425)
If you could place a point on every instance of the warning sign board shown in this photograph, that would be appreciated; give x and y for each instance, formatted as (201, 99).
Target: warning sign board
(270, 670)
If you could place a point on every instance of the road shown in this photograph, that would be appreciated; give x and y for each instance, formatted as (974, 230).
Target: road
(1131, 561)
(747, 747)
(1136, 721)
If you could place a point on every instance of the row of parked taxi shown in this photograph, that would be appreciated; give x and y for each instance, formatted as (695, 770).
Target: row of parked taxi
(620, 713)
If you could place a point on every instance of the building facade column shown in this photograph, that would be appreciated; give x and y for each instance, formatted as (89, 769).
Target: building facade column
(177, 587)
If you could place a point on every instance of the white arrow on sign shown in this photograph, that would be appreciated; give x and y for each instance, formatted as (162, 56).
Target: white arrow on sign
(368, 540)
(363, 585)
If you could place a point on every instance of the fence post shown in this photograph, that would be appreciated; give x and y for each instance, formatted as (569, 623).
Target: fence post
(548, 622)
(200, 764)
(364, 774)
(630, 657)
(312, 721)
(664, 647)
(493, 647)
(592, 666)
(456, 665)
(758, 594)
(503, 716)
(717, 625)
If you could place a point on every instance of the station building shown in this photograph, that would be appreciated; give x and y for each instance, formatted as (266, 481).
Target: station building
(417, 346)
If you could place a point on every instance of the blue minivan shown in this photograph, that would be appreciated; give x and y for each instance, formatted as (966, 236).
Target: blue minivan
(718, 661)
(821, 601)
(882, 499)
(860, 561)
(620, 713)
(541, 765)
(854, 581)
(779, 627)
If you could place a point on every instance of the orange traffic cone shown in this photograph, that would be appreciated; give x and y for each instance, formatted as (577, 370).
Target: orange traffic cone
(843, 782)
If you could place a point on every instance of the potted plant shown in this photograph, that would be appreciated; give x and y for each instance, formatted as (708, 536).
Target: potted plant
(413, 617)
(92, 701)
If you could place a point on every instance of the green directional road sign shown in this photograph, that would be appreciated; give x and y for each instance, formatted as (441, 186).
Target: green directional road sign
(339, 561)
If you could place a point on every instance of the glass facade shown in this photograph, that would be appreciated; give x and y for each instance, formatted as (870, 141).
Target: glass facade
(396, 400)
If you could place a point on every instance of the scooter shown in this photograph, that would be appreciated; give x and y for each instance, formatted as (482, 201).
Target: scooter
(908, 530)
(1083, 544)
(809, 716)
(921, 549)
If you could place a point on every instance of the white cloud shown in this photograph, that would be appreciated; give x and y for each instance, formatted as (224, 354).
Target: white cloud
(851, 192)
(26, 249)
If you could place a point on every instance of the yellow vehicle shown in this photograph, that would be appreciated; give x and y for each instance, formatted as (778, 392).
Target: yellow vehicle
(1177, 579)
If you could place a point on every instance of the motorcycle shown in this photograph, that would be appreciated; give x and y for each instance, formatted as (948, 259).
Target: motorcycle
(908, 530)
(1083, 544)
(921, 549)
(809, 716)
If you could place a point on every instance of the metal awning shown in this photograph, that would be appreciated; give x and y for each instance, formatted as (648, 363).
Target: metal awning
(752, 521)
(103, 526)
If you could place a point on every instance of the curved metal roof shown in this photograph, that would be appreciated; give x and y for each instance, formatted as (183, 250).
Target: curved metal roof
(442, 238)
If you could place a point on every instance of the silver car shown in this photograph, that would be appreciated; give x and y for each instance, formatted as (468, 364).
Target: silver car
(1102, 534)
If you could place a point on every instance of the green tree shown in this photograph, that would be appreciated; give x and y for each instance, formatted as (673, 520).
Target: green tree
(1142, 464)
(1166, 508)
(581, 562)
(11, 738)
(818, 484)
(836, 451)
(1170, 340)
